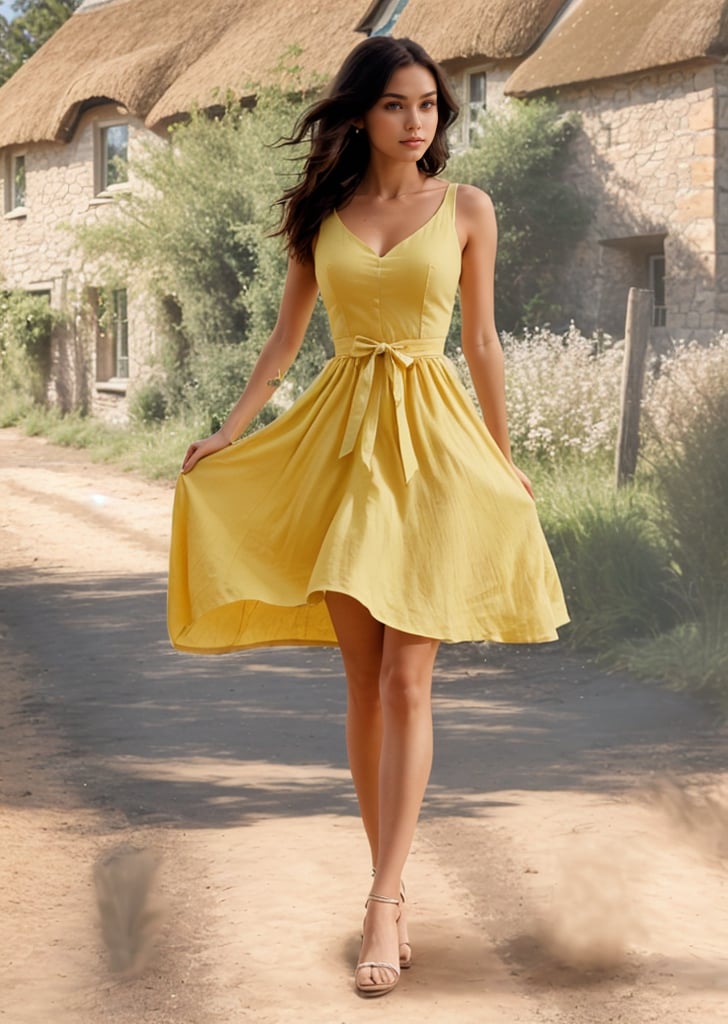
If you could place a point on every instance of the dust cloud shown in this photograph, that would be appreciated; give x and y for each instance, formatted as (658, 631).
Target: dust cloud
(597, 912)
(697, 815)
(594, 915)
(130, 908)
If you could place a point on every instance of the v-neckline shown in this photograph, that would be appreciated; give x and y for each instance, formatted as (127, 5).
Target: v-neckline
(402, 241)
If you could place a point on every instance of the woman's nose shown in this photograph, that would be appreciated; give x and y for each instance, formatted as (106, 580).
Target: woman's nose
(413, 121)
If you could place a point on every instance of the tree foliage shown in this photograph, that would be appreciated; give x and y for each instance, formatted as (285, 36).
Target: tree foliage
(26, 323)
(34, 23)
(520, 158)
(196, 227)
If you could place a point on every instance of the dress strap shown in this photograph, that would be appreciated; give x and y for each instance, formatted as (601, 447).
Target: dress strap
(450, 199)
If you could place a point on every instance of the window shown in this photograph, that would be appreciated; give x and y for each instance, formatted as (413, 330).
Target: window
(15, 184)
(113, 156)
(120, 332)
(656, 271)
(109, 321)
(18, 182)
(476, 103)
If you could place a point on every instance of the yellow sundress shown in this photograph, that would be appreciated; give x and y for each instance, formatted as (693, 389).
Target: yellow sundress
(381, 481)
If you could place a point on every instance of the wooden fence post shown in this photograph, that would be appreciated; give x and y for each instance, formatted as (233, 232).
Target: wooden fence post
(636, 338)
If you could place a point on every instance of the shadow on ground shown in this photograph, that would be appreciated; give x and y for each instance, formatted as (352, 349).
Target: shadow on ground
(172, 738)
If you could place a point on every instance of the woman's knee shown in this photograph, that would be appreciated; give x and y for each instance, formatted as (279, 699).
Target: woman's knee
(404, 690)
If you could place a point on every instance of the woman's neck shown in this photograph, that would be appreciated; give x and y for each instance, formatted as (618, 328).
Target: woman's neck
(391, 182)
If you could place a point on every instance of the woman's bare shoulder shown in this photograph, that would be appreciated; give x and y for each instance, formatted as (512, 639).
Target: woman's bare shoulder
(474, 215)
(474, 202)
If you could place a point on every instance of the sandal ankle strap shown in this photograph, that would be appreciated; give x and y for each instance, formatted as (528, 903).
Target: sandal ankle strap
(401, 886)
(373, 896)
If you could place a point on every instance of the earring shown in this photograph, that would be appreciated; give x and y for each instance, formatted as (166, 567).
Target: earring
(356, 130)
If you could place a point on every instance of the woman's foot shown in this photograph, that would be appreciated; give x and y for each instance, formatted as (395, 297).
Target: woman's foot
(405, 948)
(378, 969)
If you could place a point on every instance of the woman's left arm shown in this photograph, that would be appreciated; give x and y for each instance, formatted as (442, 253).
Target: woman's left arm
(481, 345)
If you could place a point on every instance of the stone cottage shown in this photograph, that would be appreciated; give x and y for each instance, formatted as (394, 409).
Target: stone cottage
(648, 79)
(650, 83)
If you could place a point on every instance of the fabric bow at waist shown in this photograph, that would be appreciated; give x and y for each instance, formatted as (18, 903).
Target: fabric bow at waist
(398, 357)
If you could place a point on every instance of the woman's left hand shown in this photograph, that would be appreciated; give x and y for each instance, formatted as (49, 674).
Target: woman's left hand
(524, 480)
(201, 449)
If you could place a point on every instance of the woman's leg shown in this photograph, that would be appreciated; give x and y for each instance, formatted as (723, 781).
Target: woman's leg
(406, 752)
(361, 639)
(405, 688)
(389, 730)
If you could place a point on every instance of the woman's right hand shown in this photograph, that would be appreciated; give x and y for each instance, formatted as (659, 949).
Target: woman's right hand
(201, 449)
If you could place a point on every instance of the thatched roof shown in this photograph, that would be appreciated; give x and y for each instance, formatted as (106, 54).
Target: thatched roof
(607, 38)
(496, 30)
(159, 58)
(263, 36)
(129, 51)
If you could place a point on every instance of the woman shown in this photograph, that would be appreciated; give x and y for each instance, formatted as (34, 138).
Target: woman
(379, 512)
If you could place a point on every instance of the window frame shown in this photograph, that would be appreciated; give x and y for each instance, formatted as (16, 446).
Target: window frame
(13, 208)
(469, 124)
(656, 277)
(120, 332)
(103, 188)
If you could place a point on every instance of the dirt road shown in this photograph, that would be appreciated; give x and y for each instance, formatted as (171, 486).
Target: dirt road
(570, 866)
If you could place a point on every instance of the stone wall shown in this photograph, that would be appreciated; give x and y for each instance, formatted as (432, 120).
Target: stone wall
(37, 253)
(647, 159)
(721, 183)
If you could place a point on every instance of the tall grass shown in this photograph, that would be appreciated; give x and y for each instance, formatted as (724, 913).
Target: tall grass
(614, 563)
(687, 455)
(155, 451)
(693, 655)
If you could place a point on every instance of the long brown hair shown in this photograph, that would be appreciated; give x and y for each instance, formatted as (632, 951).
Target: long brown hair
(338, 155)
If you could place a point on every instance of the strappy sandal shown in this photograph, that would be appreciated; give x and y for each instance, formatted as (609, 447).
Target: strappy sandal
(381, 988)
(405, 947)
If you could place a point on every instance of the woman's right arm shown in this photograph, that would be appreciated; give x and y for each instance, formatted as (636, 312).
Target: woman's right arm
(279, 351)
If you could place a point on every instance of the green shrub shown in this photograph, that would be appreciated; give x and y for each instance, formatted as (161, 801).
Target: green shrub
(14, 406)
(217, 376)
(26, 325)
(148, 402)
(521, 158)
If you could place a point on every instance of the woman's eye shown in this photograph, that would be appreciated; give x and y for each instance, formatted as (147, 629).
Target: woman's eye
(392, 105)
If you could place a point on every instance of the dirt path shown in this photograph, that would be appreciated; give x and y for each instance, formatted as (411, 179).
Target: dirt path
(556, 877)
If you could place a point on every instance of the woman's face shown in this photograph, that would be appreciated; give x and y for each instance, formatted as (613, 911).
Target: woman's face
(402, 123)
